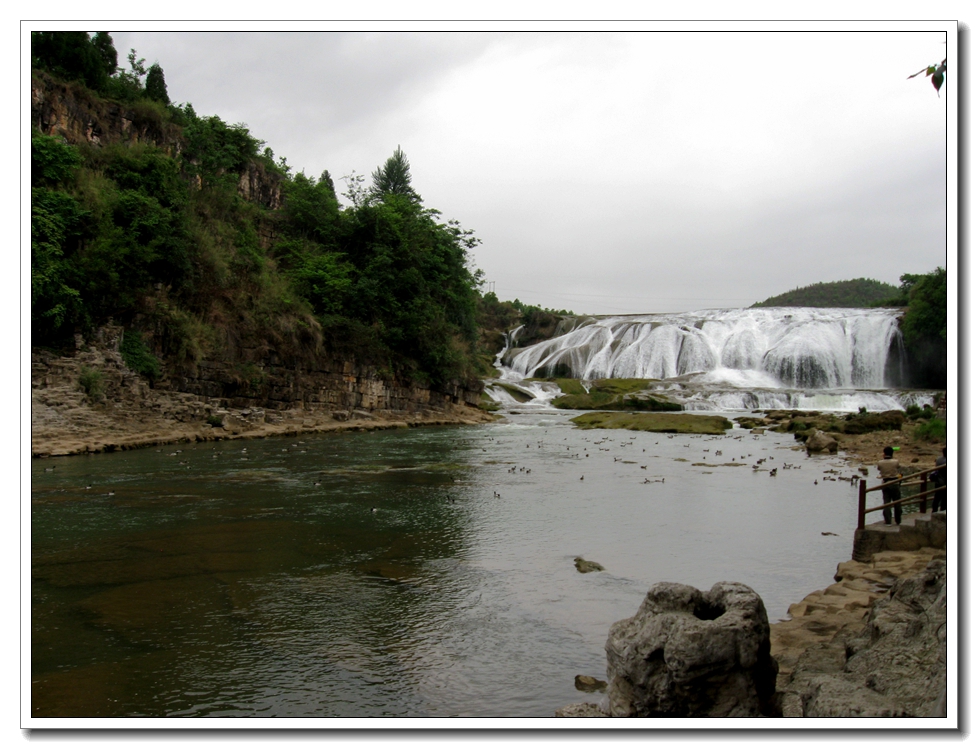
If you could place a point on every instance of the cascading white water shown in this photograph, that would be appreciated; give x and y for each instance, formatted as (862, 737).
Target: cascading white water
(724, 360)
(776, 347)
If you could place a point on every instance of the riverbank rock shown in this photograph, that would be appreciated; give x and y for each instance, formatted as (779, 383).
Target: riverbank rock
(583, 565)
(686, 653)
(897, 666)
(582, 710)
(816, 649)
(589, 684)
(819, 441)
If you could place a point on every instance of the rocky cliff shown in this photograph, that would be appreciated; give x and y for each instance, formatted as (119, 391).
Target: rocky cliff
(121, 410)
(245, 373)
(78, 115)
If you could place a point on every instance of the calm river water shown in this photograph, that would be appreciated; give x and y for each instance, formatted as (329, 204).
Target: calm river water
(379, 574)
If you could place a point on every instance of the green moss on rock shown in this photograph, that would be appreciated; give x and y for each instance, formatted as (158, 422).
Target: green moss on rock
(615, 394)
(646, 422)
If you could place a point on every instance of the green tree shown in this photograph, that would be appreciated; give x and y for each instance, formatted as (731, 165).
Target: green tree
(924, 327)
(310, 208)
(926, 316)
(216, 151)
(56, 218)
(156, 84)
(394, 178)
(70, 55)
(107, 51)
(128, 84)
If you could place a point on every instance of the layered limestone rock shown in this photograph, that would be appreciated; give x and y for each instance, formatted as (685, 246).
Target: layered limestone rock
(897, 666)
(78, 115)
(872, 644)
(125, 412)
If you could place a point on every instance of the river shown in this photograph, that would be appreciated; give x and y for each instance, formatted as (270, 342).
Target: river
(424, 572)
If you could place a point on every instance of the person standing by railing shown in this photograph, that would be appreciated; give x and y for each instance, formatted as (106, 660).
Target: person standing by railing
(891, 470)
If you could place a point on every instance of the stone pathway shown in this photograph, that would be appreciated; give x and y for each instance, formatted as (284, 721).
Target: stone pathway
(813, 640)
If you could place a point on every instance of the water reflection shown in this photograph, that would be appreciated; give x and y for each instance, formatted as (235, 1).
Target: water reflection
(423, 572)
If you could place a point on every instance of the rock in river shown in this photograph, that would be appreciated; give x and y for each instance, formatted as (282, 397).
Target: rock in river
(689, 654)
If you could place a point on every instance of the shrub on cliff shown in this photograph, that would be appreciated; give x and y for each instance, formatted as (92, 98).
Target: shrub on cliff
(138, 357)
(92, 382)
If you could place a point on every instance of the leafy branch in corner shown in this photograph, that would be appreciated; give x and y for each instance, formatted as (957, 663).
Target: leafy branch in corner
(936, 73)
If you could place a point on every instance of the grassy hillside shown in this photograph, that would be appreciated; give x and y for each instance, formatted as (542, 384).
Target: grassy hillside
(859, 292)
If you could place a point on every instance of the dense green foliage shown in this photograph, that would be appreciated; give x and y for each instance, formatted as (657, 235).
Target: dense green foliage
(93, 61)
(74, 56)
(933, 430)
(164, 244)
(859, 292)
(924, 325)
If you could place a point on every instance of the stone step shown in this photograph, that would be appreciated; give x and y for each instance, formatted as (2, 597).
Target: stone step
(916, 531)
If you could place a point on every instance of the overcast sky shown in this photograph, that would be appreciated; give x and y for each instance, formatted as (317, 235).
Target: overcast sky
(613, 172)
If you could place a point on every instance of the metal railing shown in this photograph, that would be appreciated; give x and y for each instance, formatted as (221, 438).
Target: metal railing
(920, 496)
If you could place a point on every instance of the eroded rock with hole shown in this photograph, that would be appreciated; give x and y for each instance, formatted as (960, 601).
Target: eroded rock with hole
(688, 654)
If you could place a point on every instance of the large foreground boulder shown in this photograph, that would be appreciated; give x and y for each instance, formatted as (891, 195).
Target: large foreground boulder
(689, 654)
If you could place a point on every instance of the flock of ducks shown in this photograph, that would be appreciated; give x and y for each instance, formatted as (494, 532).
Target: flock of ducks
(757, 466)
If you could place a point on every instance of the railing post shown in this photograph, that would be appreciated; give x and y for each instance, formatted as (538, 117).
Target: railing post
(923, 489)
(862, 505)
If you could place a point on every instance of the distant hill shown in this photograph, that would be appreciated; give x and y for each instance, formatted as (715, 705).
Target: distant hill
(859, 292)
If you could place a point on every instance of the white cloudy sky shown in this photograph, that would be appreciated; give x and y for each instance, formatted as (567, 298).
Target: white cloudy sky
(618, 171)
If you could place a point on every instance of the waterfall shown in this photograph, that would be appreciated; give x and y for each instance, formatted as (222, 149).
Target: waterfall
(773, 348)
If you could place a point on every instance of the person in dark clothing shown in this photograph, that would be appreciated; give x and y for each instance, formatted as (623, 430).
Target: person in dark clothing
(891, 471)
